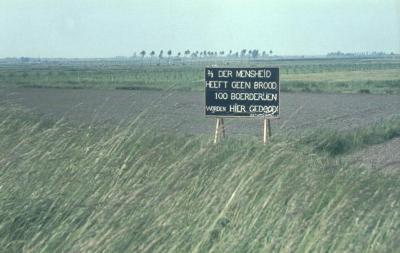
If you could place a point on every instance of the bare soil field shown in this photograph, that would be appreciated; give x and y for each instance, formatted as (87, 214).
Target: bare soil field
(182, 111)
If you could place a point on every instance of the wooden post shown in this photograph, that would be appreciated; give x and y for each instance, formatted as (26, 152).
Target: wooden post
(219, 126)
(266, 128)
(216, 131)
(269, 128)
(223, 127)
(265, 132)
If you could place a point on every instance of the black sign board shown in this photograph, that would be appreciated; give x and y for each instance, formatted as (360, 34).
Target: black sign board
(242, 92)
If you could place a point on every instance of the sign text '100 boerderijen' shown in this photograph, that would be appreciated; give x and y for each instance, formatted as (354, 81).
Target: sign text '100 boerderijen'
(242, 92)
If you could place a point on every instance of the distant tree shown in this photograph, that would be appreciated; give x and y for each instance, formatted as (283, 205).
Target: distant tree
(178, 55)
(254, 53)
(25, 59)
(194, 55)
(270, 52)
(187, 53)
(264, 54)
(143, 53)
(152, 53)
(160, 56)
(221, 53)
(169, 53)
(243, 53)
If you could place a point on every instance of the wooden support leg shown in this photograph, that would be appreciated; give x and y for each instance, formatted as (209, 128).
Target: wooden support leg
(269, 128)
(219, 130)
(223, 127)
(265, 132)
(216, 131)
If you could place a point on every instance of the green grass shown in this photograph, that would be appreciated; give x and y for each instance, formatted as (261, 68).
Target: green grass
(338, 142)
(380, 75)
(65, 188)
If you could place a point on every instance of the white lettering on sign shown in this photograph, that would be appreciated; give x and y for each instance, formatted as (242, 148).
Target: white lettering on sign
(237, 108)
(264, 109)
(254, 96)
(225, 73)
(221, 95)
(217, 84)
(214, 109)
(266, 85)
(241, 85)
(252, 73)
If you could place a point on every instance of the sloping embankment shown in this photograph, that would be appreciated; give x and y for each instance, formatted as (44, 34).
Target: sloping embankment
(68, 189)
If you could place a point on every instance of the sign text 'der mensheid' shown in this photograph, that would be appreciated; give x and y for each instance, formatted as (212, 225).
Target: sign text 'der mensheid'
(242, 92)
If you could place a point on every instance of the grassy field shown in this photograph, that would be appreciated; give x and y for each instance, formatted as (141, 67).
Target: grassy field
(65, 188)
(379, 75)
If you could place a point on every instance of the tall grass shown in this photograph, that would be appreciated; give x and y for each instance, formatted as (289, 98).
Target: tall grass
(65, 188)
(335, 142)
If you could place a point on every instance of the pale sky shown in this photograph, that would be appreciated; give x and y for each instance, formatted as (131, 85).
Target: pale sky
(106, 28)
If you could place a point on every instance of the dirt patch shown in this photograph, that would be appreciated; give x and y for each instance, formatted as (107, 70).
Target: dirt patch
(183, 111)
(385, 156)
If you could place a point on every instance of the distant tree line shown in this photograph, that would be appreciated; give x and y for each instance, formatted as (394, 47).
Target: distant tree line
(360, 54)
(244, 53)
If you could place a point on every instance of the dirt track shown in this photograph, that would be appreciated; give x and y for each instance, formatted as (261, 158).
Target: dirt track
(183, 111)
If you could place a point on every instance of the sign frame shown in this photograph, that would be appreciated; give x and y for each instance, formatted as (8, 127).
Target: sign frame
(243, 116)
